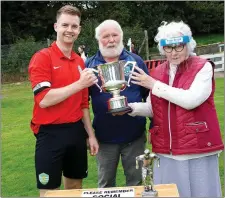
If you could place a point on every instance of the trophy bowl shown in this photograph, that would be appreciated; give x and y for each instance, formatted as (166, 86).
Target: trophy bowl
(112, 76)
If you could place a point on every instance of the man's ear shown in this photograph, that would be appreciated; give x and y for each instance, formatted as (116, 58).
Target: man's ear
(55, 26)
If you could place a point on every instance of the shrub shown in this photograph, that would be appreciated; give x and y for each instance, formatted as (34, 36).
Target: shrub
(15, 58)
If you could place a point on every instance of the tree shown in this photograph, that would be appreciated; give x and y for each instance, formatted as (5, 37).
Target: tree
(23, 19)
(36, 18)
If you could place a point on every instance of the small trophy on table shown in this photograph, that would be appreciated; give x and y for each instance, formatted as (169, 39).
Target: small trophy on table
(147, 172)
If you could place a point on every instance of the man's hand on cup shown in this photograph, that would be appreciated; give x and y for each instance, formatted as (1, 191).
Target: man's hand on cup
(87, 78)
(122, 113)
(142, 79)
(118, 114)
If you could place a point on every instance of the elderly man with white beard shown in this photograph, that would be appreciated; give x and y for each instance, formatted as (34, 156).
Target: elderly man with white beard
(118, 136)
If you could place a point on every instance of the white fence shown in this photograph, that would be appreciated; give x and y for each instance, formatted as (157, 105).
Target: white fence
(218, 59)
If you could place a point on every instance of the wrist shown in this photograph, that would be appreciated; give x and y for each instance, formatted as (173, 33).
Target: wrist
(92, 135)
(132, 106)
(153, 81)
(79, 85)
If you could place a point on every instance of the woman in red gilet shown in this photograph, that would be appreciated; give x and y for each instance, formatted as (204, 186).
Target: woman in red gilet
(186, 133)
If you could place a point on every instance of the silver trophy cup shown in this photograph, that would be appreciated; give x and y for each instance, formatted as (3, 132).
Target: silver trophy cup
(113, 80)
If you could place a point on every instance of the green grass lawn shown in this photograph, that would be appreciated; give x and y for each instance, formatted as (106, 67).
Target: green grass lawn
(208, 38)
(18, 142)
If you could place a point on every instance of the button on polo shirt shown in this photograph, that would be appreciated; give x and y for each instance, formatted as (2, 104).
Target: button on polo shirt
(50, 65)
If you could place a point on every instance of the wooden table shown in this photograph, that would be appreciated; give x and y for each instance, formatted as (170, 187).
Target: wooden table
(164, 190)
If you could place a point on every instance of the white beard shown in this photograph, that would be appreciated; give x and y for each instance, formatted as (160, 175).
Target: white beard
(111, 52)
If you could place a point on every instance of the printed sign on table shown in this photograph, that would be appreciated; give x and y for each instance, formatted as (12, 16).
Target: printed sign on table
(128, 192)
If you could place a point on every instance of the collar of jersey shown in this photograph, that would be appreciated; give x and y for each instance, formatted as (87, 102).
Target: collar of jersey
(59, 52)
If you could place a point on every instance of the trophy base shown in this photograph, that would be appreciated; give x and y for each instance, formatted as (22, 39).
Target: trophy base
(149, 194)
(120, 110)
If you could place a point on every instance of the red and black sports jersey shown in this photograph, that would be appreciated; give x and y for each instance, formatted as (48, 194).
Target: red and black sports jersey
(50, 69)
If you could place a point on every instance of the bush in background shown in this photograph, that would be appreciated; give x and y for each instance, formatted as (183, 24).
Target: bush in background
(15, 58)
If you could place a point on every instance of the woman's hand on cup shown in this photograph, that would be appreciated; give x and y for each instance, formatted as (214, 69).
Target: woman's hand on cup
(141, 78)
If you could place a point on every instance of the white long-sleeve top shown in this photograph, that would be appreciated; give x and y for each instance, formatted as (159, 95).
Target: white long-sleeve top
(191, 98)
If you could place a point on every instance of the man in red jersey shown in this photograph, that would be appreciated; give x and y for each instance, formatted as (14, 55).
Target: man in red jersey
(61, 119)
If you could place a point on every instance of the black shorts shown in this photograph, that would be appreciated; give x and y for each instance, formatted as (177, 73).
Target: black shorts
(60, 148)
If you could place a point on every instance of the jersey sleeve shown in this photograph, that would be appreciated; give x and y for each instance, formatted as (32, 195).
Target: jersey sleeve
(39, 71)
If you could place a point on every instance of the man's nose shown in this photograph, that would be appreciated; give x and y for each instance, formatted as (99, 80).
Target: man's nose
(111, 38)
(69, 29)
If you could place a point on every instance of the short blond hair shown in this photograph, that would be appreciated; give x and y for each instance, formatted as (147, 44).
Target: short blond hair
(68, 9)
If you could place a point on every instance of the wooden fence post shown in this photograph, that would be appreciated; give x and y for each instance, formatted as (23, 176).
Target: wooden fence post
(142, 44)
(147, 48)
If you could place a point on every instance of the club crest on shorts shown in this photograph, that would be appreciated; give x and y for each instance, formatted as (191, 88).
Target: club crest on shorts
(44, 178)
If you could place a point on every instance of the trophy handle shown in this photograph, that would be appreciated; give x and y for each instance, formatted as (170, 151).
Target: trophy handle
(96, 71)
(133, 63)
(98, 87)
(93, 70)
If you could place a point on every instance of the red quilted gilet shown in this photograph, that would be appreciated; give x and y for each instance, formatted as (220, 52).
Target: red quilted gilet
(192, 131)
